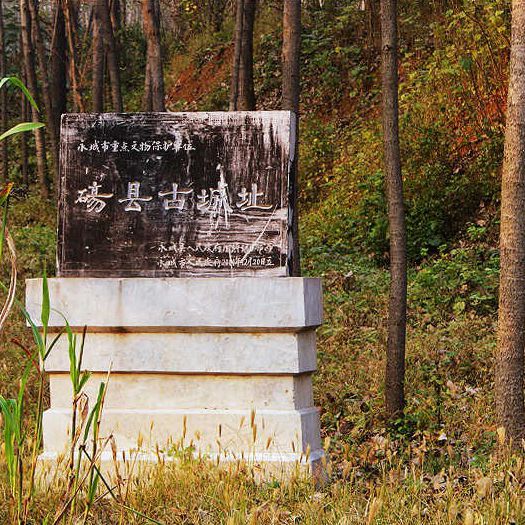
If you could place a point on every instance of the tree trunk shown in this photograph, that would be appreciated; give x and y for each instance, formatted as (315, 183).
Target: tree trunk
(234, 83)
(70, 17)
(97, 76)
(291, 52)
(395, 357)
(246, 97)
(155, 78)
(147, 101)
(104, 19)
(29, 65)
(46, 90)
(3, 97)
(509, 372)
(290, 101)
(58, 67)
(24, 150)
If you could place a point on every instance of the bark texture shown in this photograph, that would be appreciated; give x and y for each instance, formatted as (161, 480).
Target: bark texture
(291, 51)
(154, 88)
(30, 70)
(97, 77)
(41, 56)
(290, 101)
(246, 96)
(70, 14)
(509, 373)
(102, 14)
(234, 83)
(395, 358)
(58, 66)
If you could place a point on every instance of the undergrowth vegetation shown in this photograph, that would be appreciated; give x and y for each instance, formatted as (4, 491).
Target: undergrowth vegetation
(439, 463)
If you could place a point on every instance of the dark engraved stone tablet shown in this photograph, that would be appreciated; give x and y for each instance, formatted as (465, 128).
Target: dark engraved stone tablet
(176, 194)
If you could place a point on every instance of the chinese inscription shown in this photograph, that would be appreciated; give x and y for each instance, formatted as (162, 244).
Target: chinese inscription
(206, 194)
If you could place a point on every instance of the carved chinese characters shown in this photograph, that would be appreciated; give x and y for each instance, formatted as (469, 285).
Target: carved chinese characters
(175, 194)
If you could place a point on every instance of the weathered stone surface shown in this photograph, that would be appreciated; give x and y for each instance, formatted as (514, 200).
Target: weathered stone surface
(200, 353)
(176, 194)
(209, 431)
(164, 304)
(168, 391)
(221, 364)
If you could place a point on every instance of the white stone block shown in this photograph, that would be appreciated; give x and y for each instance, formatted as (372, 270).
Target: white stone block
(168, 391)
(183, 352)
(171, 304)
(208, 431)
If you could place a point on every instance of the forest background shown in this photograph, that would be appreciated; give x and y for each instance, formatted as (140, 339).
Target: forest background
(439, 462)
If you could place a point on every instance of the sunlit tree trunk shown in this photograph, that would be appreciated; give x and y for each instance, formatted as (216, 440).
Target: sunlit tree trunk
(509, 373)
(154, 75)
(395, 356)
(290, 101)
(29, 66)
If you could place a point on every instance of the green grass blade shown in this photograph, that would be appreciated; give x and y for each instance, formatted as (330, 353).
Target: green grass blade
(21, 128)
(15, 81)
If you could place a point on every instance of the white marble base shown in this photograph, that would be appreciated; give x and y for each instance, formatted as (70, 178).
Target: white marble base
(222, 365)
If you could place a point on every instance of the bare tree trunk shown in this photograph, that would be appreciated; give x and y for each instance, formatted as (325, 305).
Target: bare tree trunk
(97, 77)
(24, 113)
(395, 355)
(155, 78)
(509, 373)
(246, 97)
(115, 13)
(29, 65)
(3, 96)
(290, 101)
(70, 16)
(291, 54)
(147, 101)
(102, 14)
(42, 66)
(58, 67)
(234, 83)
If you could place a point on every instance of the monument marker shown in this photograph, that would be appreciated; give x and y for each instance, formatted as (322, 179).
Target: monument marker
(149, 203)
(175, 194)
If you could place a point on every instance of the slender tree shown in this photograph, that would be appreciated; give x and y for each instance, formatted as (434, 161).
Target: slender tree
(102, 14)
(70, 14)
(291, 51)
(58, 66)
(3, 95)
(395, 355)
(30, 71)
(154, 88)
(246, 95)
(234, 83)
(97, 76)
(290, 101)
(510, 371)
(41, 56)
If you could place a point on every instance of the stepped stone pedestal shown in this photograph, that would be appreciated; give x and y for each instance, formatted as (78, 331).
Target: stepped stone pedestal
(222, 365)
